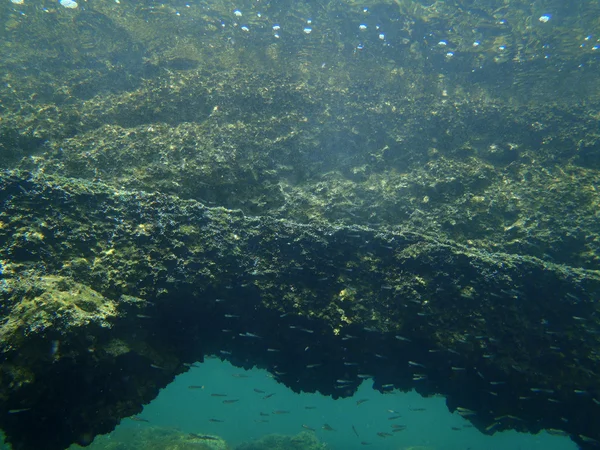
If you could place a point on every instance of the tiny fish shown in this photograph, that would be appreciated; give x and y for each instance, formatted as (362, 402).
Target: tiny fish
(239, 375)
(465, 412)
(143, 316)
(258, 391)
(193, 386)
(355, 432)
(538, 390)
(216, 420)
(364, 376)
(589, 440)
(233, 400)
(205, 437)
(399, 427)
(365, 443)
(402, 338)
(281, 411)
(312, 366)
(415, 364)
(383, 434)
(264, 414)
(273, 350)
(232, 316)
(492, 426)
(306, 427)
(417, 409)
(138, 419)
(394, 417)
(506, 416)
(555, 432)
(327, 427)
(268, 396)
(20, 410)
(218, 395)
(361, 401)
(310, 407)
(455, 428)
(250, 335)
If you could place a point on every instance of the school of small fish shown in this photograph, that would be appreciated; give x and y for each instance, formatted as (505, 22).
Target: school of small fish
(420, 369)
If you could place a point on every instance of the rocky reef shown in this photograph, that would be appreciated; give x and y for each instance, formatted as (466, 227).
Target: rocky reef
(181, 182)
(174, 280)
(156, 438)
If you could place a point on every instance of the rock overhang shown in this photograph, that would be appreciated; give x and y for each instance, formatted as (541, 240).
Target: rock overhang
(109, 294)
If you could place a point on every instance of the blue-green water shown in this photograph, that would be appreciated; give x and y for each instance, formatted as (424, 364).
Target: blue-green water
(253, 415)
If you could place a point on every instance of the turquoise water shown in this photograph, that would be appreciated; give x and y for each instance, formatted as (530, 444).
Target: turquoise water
(191, 410)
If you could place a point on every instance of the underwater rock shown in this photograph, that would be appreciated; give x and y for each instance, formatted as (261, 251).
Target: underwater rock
(156, 438)
(108, 295)
(301, 441)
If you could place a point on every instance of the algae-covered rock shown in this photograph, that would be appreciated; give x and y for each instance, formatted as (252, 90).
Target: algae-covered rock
(49, 306)
(301, 441)
(172, 280)
(156, 438)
